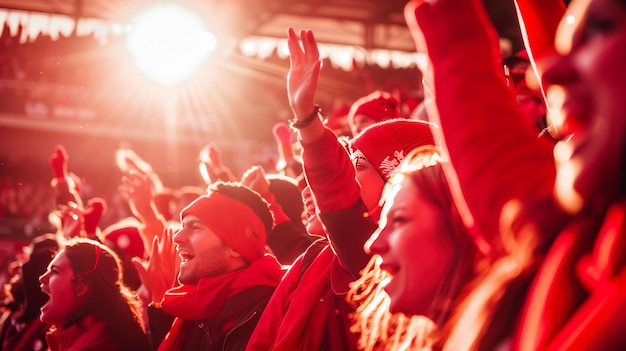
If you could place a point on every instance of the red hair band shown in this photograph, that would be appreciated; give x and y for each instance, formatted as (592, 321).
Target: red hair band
(98, 251)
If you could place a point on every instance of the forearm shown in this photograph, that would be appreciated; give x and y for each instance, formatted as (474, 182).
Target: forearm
(329, 173)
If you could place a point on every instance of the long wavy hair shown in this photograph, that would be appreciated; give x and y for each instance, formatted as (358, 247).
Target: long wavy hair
(380, 329)
(108, 298)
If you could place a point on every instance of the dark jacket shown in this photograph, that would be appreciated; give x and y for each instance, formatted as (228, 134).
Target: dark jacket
(209, 334)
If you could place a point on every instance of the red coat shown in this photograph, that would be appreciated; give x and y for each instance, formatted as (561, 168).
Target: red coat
(308, 310)
(90, 337)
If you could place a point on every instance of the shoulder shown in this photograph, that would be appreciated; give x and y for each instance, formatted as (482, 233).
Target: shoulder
(94, 338)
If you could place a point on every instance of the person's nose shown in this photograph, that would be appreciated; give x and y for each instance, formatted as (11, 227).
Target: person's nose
(43, 279)
(558, 69)
(180, 236)
(377, 243)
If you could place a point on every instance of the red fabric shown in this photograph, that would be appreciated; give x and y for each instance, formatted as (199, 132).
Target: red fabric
(338, 119)
(540, 19)
(379, 106)
(301, 314)
(97, 207)
(266, 330)
(330, 174)
(495, 153)
(214, 208)
(578, 299)
(128, 239)
(91, 336)
(385, 144)
(204, 300)
(58, 162)
(573, 303)
(331, 177)
(295, 318)
(303, 325)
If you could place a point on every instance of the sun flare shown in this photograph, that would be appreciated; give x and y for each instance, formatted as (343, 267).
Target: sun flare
(169, 43)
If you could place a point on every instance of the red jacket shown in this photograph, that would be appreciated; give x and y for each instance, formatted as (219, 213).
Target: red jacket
(91, 335)
(308, 311)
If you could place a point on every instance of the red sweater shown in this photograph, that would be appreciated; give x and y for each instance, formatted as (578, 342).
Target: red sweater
(494, 151)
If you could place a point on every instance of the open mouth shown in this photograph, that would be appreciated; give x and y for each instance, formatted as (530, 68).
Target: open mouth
(185, 256)
(391, 270)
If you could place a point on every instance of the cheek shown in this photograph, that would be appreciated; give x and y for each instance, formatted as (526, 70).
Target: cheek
(601, 67)
(63, 301)
(371, 189)
(314, 226)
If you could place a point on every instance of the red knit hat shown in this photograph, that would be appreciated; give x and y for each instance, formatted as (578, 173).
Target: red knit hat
(229, 219)
(379, 106)
(386, 143)
(337, 120)
(125, 236)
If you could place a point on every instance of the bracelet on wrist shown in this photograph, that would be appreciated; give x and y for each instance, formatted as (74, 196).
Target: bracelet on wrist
(297, 124)
(155, 304)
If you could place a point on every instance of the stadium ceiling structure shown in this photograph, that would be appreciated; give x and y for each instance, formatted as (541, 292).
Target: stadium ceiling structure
(370, 24)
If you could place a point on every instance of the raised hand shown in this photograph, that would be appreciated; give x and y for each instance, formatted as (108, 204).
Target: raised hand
(128, 160)
(58, 162)
(304, 72)
(137, 191)
(254, 178)
(158, 273)
(212, 166)
(72, 220)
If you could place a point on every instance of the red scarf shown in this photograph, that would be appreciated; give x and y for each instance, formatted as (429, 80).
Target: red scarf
(204, 300)
(311, 315)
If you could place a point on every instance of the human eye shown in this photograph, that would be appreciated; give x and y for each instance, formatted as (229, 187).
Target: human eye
(360, 162)
(598, 25)
(398, 219)
(195, 226)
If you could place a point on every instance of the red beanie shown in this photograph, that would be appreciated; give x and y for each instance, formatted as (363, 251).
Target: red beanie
(379, 106)
(229, 219)
(126, 237)
(337, 120)
(386, 143)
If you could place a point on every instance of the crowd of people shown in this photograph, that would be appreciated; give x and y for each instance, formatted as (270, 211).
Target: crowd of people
(492, 217)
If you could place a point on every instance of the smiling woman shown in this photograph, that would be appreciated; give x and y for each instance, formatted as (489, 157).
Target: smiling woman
(423, 257)
(169, 43)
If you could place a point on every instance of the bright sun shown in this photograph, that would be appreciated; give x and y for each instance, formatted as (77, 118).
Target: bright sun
(168, 43)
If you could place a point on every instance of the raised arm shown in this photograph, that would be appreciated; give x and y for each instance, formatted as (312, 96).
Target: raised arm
(495, 153)
(327, 166)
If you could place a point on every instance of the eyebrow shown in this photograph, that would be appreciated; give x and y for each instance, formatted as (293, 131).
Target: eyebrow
(194, 222)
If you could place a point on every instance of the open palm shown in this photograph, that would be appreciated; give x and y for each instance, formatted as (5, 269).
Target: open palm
(304, 72)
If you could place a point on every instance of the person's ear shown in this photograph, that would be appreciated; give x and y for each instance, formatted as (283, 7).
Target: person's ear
(234, 253)
(80, 288)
